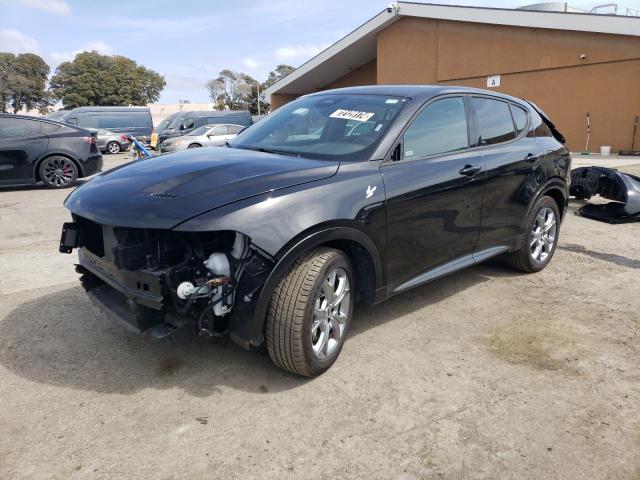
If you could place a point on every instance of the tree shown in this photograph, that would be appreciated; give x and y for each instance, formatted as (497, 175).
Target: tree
(103, 80)
(23, 80)
(231, 90)
(238, 91)
(279, 73)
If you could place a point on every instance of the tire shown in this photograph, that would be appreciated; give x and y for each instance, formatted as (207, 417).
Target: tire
(194, 145)
(58, 172)
(113, 147)
(301, 338)
(540, 237)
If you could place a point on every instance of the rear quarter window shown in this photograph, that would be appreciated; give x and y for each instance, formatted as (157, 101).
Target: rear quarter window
(519, 118)
(495, 123)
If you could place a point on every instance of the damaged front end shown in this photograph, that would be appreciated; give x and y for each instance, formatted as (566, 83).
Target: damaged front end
(160, 280)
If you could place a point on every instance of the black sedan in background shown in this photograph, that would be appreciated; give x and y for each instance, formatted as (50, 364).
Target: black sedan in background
(36, 149)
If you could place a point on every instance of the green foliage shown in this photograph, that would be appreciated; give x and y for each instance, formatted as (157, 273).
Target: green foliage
(23, 81)
(92, 79)
(239, 91)
(279, 73)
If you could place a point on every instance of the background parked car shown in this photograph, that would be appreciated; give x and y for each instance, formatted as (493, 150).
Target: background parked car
(110, 142)
(205, 136)
(134, 121)
(186, 122)
(34, 149)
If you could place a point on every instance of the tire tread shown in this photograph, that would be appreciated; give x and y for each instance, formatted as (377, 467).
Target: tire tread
(285, 316)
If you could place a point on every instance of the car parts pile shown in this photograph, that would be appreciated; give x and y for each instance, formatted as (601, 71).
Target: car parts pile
(622, 188)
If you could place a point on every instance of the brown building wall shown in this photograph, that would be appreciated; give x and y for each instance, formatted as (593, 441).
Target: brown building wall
(536, 64)
(279, 99)
(365, 75)
(540, 65)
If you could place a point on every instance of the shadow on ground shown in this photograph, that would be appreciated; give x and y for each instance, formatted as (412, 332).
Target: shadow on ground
(60, 339)
(40, 186)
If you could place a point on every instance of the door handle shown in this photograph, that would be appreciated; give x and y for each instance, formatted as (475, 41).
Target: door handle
(531, 157)
(470, 170)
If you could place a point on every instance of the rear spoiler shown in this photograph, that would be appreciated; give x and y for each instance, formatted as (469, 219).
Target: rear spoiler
(556, 134)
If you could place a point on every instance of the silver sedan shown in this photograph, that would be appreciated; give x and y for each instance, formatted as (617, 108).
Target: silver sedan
(110, 142)
(205, 136)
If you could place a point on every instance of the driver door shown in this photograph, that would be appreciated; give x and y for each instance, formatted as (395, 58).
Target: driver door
(434, 188)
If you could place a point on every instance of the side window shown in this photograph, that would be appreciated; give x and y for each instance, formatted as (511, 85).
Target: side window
(494, 121)
(234, 129)
(49, 127)
(188, 123)
(439, 128)
(18, 127)
(72, 121)
(219, 130)
(543, 130)
(519, 118)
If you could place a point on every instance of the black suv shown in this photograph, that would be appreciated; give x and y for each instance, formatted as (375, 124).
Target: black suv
(350, 194)
(36, 149)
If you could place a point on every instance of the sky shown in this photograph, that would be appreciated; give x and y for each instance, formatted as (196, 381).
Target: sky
(190, 41)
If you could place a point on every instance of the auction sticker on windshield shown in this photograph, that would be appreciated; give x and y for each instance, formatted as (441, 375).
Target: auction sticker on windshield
(352, 115)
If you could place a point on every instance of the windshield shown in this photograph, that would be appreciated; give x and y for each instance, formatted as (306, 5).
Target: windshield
(166, 122)
(332, 126)
(200, 130)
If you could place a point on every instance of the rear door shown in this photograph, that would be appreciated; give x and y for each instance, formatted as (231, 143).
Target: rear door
(434, 194)
(218, 135)
(514, 163)
(22, 143)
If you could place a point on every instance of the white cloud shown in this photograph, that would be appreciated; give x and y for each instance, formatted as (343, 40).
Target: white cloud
(251, 63)
(57, 7)
(13, 41)
(99, 46)
(299, 51)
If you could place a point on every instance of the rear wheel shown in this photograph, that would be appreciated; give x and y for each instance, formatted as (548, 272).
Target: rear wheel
(58, 172)
(310, 312)
(541, 237)
(113, 147)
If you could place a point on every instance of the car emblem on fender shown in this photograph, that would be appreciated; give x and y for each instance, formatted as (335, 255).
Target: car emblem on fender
(371, 190)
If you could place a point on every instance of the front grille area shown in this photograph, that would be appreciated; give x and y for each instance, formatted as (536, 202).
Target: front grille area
(91, 236)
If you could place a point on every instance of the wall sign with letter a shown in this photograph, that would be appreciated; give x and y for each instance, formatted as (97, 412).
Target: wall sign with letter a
(493, 81)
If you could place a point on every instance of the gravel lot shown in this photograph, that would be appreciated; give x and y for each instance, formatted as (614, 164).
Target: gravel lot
(484, 374)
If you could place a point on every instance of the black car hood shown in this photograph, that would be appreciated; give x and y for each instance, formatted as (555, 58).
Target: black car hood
(164, 191)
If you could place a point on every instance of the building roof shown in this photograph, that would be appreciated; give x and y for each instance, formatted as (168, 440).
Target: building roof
(360, 46)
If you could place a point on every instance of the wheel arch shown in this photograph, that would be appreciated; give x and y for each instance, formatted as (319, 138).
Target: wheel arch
(36, 173)
(356, 244)
(559, 194)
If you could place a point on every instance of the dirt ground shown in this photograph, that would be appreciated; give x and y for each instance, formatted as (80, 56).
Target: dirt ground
(484, 374)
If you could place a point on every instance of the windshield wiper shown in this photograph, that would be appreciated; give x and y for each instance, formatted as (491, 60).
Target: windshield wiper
(227, 144)
(279, 152)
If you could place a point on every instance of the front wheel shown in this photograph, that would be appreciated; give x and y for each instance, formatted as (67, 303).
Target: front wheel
(310, 312)
(541, 237)
(194, 145)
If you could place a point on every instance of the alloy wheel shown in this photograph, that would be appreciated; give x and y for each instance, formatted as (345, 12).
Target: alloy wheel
(543, 234)
(113, 147)
(59, 171)
(330, 313)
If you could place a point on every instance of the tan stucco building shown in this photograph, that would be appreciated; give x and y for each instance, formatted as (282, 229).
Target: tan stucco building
(570, 64)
